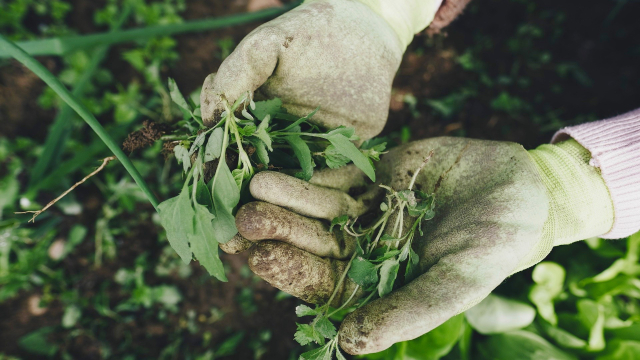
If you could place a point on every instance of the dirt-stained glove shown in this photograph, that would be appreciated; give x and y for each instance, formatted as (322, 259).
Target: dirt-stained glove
(499, 209)
(339, 55)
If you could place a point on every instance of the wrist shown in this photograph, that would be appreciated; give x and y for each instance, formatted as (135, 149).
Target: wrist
(614, 145)
(580, 205)
(405, 17)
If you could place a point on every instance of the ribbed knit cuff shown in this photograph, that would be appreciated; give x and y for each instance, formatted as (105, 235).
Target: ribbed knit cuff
(615, 149)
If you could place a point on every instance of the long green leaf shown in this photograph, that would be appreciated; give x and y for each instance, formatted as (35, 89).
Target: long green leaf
(204, 244)
(302, 152)
(86, 115)
(346, 148)
(59, 132)
(176, 216)
(61, 46)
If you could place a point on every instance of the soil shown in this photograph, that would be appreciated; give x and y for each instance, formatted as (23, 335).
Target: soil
(144, 137)
(601, 49)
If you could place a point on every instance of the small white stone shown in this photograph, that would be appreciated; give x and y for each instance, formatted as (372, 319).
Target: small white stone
(56, 250)
(24, 202)
(34, 306)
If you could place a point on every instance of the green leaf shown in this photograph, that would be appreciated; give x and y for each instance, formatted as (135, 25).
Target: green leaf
(238, 177)
(381, 254)
(72, 314)
(167, 295)
(176, 216)
(204, 244)
(213, 149)
(37, 342)
(333, 158)
(323, 353)
(591, 314)
(549, 279)
(304, 310)
(346, 148)
(374, 152)
(348, 132)
(412, 270)
(437, 342)
(302, 152)
(261, 150)
(520, 344)
(562, 337)
(267, 107)
(229, 345)
(340, 221)
(203, 196)
(408, 196)
(247, 130)
(183, 157)
(197, 143)
(176, 95)
(388, 274)
(496, 314)
(621, 350)
(306, 334)
(76, 235)
(226, 196)
(363, 273)
(261, 133)
(387, 237)
(339, 355)
(324, 327)
(301, 120)
(10, 186)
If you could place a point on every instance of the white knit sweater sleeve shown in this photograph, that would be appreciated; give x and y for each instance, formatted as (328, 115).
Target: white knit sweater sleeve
(615, 149)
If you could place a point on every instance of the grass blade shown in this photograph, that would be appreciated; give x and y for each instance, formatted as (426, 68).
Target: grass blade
(44, 74)
(59, 132)
(61, 46)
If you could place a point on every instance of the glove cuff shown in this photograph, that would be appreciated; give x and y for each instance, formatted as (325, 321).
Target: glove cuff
(406, 17)
(615, 150)
(580, 205)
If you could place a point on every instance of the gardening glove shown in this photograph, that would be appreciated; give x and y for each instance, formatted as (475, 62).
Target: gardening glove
(338, 55)
(499, 209)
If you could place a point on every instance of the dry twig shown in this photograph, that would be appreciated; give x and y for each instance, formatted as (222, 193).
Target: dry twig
(105, 161)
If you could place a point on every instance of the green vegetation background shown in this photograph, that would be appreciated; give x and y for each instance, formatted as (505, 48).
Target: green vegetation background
(94, 277)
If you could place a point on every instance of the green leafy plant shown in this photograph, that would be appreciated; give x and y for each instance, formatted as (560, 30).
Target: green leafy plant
(381, 249)
(201, 216)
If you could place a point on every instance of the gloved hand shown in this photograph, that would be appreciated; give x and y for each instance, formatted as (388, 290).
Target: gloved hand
(339, 55)
(499, 209)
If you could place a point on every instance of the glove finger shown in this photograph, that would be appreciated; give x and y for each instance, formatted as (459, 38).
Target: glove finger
(245, 69)
(258, 221)
(343, 178)
(300, 273)
(307, 199)
(454, 284)
(236, 245)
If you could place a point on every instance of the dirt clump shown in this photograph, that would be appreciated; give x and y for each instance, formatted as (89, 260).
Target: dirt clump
(150, 132)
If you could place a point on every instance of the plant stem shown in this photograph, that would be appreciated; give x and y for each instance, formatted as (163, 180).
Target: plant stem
(223, 153)
(33, 65)
(342, 277)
